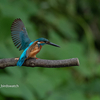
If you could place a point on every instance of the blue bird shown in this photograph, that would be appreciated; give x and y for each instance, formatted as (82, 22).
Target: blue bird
(22, 41)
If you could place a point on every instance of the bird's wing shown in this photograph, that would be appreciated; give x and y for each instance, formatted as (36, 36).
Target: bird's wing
(19, 34)
(31, 48)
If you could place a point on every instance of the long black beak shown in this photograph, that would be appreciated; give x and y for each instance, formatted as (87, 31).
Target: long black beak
(50, 43)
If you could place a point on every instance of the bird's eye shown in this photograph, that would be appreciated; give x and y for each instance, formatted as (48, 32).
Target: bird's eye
(47, 41)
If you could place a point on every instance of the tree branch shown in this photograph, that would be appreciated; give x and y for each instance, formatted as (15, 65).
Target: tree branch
(40, 63)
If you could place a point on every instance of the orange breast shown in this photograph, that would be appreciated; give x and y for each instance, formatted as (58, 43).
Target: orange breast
(34, 51)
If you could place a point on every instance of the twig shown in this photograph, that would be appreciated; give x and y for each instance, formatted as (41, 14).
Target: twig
(40, 63)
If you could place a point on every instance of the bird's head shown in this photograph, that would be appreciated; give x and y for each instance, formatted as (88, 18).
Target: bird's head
(43, 41)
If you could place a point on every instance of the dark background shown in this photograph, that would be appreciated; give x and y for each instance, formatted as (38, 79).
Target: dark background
(72, 24)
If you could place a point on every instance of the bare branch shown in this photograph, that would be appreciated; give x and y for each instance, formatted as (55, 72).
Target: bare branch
(40, 63)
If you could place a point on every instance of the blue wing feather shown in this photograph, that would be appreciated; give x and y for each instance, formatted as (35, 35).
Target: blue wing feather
(23, 56)
(19, 35)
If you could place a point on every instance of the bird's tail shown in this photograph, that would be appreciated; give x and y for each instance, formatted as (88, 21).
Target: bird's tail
(20, 62)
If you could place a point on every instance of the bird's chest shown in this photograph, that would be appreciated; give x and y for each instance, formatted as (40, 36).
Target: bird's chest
(37, 49)
(34, 51)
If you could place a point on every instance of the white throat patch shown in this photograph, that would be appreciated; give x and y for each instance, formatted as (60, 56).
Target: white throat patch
(38, 43)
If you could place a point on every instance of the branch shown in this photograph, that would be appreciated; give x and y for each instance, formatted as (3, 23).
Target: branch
(40, 63)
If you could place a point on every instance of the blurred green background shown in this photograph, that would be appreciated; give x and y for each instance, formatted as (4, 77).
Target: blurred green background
(72, 24)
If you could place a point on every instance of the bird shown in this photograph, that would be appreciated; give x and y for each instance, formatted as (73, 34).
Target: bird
(22, 42)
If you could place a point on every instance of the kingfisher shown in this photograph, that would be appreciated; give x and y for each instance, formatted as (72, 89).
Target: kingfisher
(22, 42)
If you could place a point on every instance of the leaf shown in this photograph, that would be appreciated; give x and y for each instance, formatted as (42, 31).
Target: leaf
(16, 72)
(95, 97)
(62, 24)
(4, 52)
(39, 82)
(58, 95)
(57, 76)
(76, 95)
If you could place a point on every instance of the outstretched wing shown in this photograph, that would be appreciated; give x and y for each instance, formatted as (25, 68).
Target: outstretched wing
(19, 34)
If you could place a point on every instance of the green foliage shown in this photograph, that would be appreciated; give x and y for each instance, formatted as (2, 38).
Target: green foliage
(72, 24)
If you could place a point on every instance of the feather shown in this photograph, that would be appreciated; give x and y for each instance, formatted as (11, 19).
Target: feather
(19, 34)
